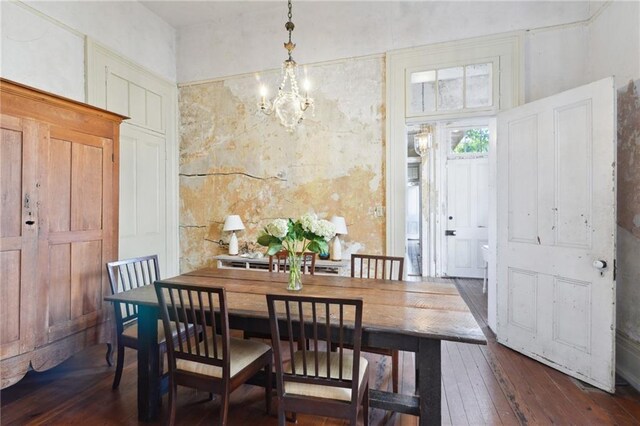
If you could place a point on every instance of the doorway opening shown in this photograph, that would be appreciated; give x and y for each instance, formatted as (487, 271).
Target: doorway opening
(448, 199)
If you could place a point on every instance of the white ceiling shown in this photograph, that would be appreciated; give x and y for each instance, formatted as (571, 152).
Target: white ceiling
(187, 12)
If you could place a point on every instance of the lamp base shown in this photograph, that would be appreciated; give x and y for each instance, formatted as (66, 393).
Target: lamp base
(233, 244)
(336, 249)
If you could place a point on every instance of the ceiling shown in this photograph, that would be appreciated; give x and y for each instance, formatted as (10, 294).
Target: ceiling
(185, 13)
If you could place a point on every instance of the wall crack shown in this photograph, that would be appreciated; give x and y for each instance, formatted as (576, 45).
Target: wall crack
(232, 173)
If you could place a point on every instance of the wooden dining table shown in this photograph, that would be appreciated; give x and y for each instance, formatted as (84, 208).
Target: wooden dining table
(404, 315)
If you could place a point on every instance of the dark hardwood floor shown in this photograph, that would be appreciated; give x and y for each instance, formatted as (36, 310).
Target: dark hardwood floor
(481, 385)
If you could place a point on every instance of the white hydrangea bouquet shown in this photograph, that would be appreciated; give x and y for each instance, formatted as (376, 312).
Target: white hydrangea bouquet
(306, 234)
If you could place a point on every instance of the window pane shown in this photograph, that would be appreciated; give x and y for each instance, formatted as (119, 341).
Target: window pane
(423, 92)
(450, 88)
(474, 140)
(478, 85)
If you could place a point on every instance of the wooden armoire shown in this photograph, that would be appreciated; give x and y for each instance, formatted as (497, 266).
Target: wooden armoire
(58, 227)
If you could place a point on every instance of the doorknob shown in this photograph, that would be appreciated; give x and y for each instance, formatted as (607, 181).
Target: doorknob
(450, 232)
(599, 264)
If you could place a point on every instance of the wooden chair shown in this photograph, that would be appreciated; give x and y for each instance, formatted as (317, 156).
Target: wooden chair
(319, 381)
(279, 262)
(126, 275)
(386, 268)
(216, 363)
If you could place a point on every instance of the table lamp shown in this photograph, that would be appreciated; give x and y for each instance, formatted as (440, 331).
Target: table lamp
(233, 223)
(341, 229)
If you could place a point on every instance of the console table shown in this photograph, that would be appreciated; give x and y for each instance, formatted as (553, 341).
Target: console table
(323, 267)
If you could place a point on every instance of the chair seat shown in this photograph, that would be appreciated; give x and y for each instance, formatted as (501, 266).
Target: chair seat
(132, 331)
(241, 353)
(320, 391)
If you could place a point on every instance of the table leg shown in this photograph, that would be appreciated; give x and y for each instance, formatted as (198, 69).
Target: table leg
(148, 364)
(430, 378)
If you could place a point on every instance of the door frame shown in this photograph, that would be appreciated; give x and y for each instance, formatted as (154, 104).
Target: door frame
(95, 83)
(506, 47)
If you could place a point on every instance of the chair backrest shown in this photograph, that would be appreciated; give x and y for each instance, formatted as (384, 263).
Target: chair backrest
(192, 307)
(128, 274)
(376, 266)
(328, 322)
(279, 262)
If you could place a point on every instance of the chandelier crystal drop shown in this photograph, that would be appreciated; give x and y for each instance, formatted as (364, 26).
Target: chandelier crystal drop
(289, 105)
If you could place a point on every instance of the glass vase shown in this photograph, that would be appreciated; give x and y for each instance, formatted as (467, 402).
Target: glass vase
(295, 272)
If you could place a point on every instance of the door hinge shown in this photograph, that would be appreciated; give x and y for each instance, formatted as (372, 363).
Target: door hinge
(615, 269)
(113, 158)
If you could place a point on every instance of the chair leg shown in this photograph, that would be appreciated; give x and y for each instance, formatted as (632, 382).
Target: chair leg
(109, 355)
(365, 406)
(172, 402)
(394, 370)
(282, 420)
(119, 366)
(224, 406)
(268, 369)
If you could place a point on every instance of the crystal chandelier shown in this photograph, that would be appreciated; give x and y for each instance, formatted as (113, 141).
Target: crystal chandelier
(289, 106)
(423, 140)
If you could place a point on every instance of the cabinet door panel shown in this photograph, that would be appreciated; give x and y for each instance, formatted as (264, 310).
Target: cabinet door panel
(86, 187)
(60, 186)
(77, 246)
(60, 282)
(18, 233)
(11, 183)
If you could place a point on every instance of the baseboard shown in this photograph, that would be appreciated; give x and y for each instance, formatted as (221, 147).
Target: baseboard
(628, 359)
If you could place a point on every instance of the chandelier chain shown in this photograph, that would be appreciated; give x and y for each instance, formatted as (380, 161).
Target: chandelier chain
(289, 26)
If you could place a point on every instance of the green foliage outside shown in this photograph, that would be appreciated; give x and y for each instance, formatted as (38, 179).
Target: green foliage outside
(474, 140)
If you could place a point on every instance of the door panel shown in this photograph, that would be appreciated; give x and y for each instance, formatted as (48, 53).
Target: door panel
(467, 211)
(556, 216)
(142, 195)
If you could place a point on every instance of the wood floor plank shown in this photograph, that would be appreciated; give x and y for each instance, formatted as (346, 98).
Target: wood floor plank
(452, 390)
(499, 399)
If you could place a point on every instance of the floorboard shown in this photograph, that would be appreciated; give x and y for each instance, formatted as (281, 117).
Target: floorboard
(490, 384)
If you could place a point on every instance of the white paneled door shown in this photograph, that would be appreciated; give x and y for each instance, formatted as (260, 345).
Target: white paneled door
(466, 218)
(556, 231)
(142, 194)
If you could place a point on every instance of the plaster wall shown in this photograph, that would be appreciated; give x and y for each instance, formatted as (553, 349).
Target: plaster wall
(43, 42)
(332, 30)
(614, 41)
(234, 160)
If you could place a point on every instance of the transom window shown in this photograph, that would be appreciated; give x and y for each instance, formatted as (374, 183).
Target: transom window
(450, 89)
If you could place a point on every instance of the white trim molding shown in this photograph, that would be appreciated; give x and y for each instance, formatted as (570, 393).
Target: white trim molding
(628, 359)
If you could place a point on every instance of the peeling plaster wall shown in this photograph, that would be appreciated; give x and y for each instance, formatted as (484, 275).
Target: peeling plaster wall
(628, 311)
(614, 41)
(236, 161)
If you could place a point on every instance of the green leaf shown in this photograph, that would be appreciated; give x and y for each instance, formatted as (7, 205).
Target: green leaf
(265, 239)
(274, 248)
(314, 247)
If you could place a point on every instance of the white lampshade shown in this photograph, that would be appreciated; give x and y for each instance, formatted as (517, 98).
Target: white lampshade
(233, 223)
(340, 224)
